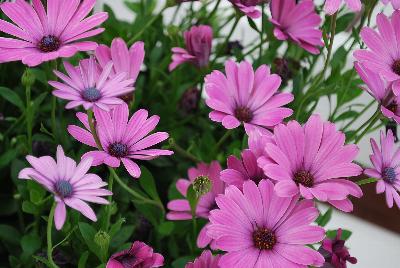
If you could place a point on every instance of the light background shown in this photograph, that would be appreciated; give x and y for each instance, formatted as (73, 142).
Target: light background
(373, 246)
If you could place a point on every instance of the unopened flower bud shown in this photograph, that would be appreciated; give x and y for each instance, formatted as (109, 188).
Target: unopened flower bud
(28, 78)
(202, 185)
(102, 239)
(189, 102)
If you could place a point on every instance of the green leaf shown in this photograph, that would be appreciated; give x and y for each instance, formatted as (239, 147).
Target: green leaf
(7, 157)
(182, 261)
(147, 183)
(166, 228)
(122, 235)
(367, 181)
(30, 208)
(116, 226)
(83, 259)
(9, 234)
(30, 243)
(345, 234)
(346, 115)
(88, 233)
(323, 219)
(253, 24)
(12, 97)
(191, 196)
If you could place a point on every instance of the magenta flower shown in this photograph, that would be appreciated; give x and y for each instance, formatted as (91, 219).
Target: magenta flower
(90, 86)
(198, 41)
(42, 36)
(381, 90)
(332, 6)
(206, 260)
(298, 23)
(139, 255)
(124, 60)
(312, 160)
(386, 161)
(180, 208)
(336, 254)
(121, 140)
(248, 7)
(70, 184)
(243, 95)
(395, 3)
(258, 228)
(382, 57)
(241, 170)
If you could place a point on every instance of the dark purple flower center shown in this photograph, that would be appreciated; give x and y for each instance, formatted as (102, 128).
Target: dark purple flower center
(91, 94)
(243, 114)
(118, 149)
(392, 107)
(63, 188)
(389, 175)
(396, 67)
(264, 239)
(304, 178)
(127, 260)
(49, 43)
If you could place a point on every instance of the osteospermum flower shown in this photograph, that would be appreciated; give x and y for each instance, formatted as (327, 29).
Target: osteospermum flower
(198, 41)
(258, 228)
(381, 90)
(124, 60)
(89, 85)
(297, 22)
(70, 184)
(245, 96)
(180, 208)
(383, 53)
(121, 140)
(332, 6)
(248, 7)
(42, 36)
(312, 160)
(336, 254)
(139, 255)
(246, 168)
(206, 260)
(386, 161)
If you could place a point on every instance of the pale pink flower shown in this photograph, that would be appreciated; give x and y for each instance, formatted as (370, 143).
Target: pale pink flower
(258, 228)
(89, 85)
(70, 184)
(383, 53)
(44, 36)
(246, 168)
(180, 208)
(381, 90)
(248, 7)
(121, 140)
(245, 96)
(386, 161)
(314, 161)
(206, 260)
(297, 22)
(332, 6)
(395, 3)
(198, 41)
(139, 255)
(124, 60)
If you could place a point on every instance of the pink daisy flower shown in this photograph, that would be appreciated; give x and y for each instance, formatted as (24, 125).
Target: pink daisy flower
(248, 7)
(386, 161)
(258, 228)
(121, 140)
(241, 170)
(206, 260)
(312, 160)
(180, 208)
(42, 36)
(395, 3)
(332, 6)
(139, 255)
(245, 96)
(383, 53)
(198, 41)
(70, 184)
(298, 23)
(124, 60)
(381, 90)
(89, 85)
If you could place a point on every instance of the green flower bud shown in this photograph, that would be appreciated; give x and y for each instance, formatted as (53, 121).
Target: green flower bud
(102, 239)
(28, 78)
(202, 185)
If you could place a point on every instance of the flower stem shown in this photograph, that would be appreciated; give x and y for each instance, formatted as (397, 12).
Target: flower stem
(135, 194)
(49, 243)
(370, 123)
(359, 114)
(223, 139)
(93, 129)
(332, 38)
(29, 117)
(53, 117)
(182, 151)
(109, 207)
(214, 10)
